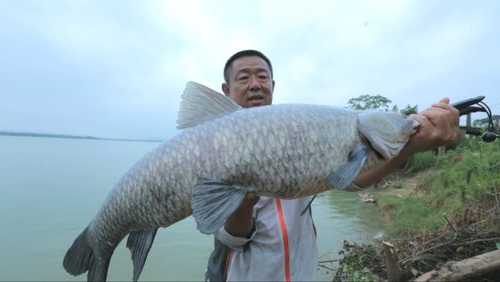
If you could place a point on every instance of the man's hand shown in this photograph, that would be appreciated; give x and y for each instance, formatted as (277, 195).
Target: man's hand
(240, 223)
(438, 127)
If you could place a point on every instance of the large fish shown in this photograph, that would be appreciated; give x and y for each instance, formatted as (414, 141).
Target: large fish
(286, 151)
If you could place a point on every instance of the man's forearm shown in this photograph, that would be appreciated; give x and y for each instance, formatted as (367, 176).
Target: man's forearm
(240, 224)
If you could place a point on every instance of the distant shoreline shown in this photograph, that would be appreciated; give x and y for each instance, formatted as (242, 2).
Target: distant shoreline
(66, 136)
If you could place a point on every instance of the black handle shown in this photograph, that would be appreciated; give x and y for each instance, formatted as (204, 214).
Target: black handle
(463, 106)
(466, 107)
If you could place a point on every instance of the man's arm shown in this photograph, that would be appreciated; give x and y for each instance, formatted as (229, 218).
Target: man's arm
(240, 223)
(438, 127)
(239, 227)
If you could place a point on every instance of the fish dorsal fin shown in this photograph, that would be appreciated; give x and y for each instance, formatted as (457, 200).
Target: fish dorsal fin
(200, 103)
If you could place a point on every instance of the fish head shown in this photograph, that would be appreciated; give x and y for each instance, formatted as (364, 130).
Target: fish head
(386, 132)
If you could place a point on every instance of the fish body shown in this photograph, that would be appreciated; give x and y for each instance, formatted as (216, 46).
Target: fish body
(286, 151)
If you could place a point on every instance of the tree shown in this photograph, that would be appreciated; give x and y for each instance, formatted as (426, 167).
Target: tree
(409, 110)
(369, 102)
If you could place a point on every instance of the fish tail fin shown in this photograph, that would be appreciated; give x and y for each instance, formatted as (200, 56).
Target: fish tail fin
(81, 258)
(99, 270)
(139, 243)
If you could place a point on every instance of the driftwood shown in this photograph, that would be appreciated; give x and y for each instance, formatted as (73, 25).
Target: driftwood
(464, 270)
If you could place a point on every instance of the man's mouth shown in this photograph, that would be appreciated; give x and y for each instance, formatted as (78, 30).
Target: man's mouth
(256, 100)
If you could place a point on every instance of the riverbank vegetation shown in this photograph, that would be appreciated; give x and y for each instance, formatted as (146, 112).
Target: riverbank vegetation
(441, 208)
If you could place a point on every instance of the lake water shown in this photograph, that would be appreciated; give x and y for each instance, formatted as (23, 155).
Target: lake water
(51, 188)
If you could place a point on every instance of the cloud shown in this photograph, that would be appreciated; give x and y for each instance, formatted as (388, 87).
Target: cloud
(118, 67)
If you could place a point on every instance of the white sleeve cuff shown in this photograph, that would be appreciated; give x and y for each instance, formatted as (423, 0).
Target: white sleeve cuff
(233, 242)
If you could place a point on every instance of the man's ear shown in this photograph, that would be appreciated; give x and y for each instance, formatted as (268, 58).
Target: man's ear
(225, 89)
(273, 85)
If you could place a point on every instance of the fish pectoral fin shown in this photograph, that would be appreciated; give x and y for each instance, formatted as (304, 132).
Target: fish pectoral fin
(345, 175)
(139, 243)
(212, 203)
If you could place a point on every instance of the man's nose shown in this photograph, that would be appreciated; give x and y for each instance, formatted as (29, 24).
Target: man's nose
(254, 84)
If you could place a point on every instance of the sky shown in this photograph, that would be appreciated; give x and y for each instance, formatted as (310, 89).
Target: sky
(117, 68)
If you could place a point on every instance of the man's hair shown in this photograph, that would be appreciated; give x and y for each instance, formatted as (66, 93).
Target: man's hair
(245, 53)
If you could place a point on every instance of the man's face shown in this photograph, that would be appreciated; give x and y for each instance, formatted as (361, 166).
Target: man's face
(250, 83)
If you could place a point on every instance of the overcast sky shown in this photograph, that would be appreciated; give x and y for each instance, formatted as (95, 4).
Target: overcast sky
(117, 68)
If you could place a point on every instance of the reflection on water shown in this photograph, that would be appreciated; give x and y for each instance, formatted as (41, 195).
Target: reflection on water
(51, 189)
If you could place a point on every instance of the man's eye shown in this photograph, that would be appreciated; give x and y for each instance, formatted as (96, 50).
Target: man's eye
(263, 76)
(243, 77)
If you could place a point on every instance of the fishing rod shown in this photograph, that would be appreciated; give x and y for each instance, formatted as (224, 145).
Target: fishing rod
(473, 105)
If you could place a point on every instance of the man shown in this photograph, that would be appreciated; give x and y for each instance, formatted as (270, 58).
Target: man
(270, 239)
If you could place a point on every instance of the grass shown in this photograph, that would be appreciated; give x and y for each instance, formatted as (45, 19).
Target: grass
(421, 162)
(409, 215)
(353, 265)
(467, 177)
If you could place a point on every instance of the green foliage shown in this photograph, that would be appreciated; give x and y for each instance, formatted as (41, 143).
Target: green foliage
(378, 102)
(466, 176)
(369, 102)
(354, 264)
(409, 215)
(421, 161)
(408, 110)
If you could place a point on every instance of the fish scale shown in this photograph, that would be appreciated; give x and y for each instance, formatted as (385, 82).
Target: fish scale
(285, 151)
(243, 153)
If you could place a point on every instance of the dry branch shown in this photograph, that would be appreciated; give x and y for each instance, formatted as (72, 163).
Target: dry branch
(464, 270)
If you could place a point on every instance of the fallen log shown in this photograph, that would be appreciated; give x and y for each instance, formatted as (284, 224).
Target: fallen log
(464, 270)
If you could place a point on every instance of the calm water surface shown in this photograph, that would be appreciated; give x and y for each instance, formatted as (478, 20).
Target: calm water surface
(51, 189)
